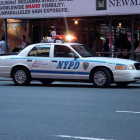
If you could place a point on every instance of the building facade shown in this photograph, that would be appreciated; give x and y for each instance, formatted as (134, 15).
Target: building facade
(37, 18)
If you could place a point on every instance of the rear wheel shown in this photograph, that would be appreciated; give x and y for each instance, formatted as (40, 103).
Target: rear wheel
(101, 78)
(21, 76)
(46, 81)
(122, 84)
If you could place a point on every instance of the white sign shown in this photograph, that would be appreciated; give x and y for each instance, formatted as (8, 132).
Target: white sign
(66, 8)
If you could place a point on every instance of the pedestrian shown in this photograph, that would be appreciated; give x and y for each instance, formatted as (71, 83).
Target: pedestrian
(24, 42)
(98, 44)
(106, 48)
(3, 47)
(136, 42)
(137, 50)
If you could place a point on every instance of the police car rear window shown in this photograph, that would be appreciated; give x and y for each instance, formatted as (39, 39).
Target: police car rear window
(40, 51)
(84, 51)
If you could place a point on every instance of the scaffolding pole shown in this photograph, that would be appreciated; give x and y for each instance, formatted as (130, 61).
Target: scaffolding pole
(41, 29)
(110, 35)
(88, 34)
(132, 38)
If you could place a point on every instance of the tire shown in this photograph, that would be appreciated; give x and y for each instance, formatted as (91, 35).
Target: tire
(21, 76)
(101, 78)
(46, 81)
(122, 84)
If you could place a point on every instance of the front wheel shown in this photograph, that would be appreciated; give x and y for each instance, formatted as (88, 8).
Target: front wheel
(122, 84)
(21, 76)
(101, 78)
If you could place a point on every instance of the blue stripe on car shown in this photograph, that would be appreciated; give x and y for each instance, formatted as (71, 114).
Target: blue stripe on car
(59, 72)
(67, 59)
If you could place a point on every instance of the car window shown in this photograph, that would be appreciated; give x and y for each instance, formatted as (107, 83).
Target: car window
(43, 51)
(40, 51)
(62, 51)
(84, 51)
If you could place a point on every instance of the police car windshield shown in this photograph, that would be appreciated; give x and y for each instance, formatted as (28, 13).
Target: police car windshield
(84, 51)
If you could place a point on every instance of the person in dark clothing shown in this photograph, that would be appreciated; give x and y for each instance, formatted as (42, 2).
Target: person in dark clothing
(136, 42)
(98, 44)
(106, 48)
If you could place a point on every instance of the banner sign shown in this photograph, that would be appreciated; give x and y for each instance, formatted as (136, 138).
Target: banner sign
(66, 8)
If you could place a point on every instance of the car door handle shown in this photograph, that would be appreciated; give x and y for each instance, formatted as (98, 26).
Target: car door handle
(54, 61)
(29, 60)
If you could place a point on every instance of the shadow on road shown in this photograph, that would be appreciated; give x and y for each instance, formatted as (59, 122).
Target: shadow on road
(72, 85)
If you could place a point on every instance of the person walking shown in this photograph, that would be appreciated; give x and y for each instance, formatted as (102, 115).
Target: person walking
(137, 50)
(106, 48)
(98, 44)
(3, 46)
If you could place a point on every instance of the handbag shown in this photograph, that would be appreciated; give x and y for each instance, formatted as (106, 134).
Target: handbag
(137, 50)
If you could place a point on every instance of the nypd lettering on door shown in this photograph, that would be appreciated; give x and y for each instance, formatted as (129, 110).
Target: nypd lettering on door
(68, 65)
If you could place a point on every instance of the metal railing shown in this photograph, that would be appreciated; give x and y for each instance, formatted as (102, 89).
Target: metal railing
(119, 54)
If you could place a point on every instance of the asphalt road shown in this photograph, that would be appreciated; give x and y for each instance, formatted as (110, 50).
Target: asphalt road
(69, 111)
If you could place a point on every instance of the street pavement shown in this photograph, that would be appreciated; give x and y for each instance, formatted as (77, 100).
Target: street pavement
(69, 111)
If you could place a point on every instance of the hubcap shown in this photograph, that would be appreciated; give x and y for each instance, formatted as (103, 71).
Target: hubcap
(20, 76)
(99, 78)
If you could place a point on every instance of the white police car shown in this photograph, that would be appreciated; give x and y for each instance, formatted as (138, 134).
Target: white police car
(48, 62)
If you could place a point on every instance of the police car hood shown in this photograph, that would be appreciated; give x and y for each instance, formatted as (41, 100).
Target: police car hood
(110, 60)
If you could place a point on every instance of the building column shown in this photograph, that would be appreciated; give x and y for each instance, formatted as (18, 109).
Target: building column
(6, 34)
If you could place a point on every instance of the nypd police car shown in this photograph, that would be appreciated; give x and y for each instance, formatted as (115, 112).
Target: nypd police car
(48, 62)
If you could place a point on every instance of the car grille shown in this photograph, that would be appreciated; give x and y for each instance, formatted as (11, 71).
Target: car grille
(137, 66)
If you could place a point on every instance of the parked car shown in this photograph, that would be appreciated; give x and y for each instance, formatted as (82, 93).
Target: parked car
(48, 62)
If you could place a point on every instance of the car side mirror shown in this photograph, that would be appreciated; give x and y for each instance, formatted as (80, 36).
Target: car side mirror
(74, 55)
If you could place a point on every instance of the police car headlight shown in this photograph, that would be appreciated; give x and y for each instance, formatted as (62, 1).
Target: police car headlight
(130, 67)
(124, 67)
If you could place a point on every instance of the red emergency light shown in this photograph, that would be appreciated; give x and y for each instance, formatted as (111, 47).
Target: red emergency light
(60, 37)
(66, 38)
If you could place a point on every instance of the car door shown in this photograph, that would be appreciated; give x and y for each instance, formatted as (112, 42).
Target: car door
(39, 61)
(64, 65)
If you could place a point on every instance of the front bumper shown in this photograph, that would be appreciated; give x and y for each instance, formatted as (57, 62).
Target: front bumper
(126, 75)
